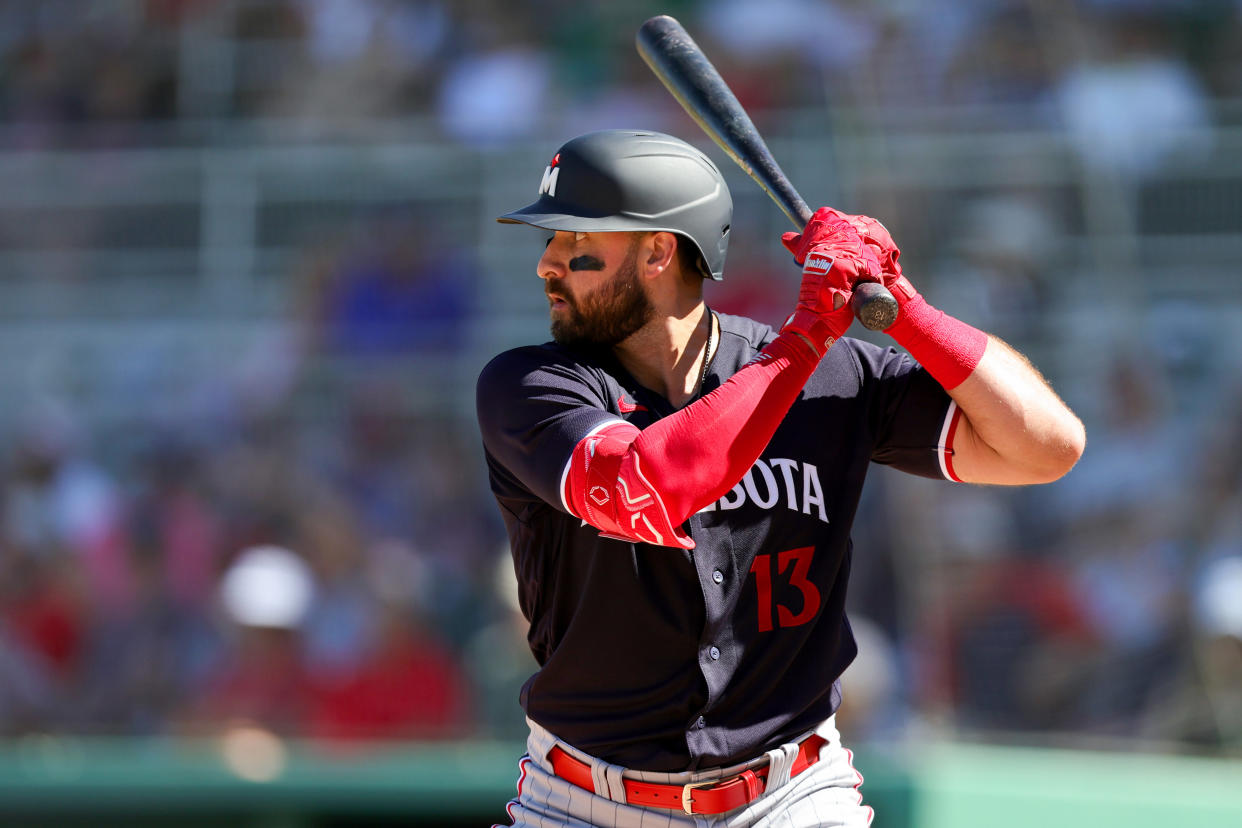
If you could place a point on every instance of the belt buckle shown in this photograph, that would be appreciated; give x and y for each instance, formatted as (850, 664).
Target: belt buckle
(688, 789)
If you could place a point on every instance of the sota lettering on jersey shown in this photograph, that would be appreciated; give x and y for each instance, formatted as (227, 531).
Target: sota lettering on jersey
(772, 482)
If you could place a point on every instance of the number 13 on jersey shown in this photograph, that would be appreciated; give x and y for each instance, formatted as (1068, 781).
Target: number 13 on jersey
(766, 573)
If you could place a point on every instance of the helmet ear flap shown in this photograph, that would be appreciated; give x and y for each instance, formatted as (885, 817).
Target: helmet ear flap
(690, 258)
(700, 264)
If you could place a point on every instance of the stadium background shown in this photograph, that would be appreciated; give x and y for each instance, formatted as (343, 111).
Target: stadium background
(248, 273)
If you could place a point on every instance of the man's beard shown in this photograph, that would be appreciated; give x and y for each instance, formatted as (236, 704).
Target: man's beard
(609, 315)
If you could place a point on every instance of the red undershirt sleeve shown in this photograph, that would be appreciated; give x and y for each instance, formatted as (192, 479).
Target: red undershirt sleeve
(642, 485)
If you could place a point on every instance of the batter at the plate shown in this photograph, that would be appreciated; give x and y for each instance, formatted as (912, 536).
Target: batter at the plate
(678, 487)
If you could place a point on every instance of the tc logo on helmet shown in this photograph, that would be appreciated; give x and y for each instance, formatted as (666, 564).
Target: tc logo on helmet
(550, 175)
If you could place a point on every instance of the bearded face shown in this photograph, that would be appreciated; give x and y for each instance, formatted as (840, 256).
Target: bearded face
(604, 315)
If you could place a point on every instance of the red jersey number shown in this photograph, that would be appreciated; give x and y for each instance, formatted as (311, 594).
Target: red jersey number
(764, 577)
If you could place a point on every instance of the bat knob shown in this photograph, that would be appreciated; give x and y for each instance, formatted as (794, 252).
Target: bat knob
(873, 305)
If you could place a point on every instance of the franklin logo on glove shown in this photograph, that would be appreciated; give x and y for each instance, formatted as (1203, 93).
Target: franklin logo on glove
(818, 264)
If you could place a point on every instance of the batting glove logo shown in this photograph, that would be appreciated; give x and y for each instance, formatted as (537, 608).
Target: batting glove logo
(817, 264)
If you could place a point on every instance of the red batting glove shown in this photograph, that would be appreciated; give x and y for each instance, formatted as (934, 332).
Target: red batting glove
(948, 348)
(833, 258)
(876, 236)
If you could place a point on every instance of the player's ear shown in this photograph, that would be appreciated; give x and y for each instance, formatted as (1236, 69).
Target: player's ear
(660, 249)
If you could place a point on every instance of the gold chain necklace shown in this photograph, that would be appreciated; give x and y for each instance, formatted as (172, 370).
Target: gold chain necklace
(707, 352)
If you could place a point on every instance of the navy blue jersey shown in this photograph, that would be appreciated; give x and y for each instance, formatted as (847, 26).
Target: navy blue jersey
(663, 659)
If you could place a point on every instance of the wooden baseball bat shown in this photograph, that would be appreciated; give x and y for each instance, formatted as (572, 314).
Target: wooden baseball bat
(681, 66)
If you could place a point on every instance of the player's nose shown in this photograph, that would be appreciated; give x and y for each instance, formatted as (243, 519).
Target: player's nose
(552, 264)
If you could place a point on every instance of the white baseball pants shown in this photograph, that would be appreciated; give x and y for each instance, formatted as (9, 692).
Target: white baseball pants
(825, 794)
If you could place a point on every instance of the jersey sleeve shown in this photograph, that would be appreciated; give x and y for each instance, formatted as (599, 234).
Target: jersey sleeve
(913, 417)
(640, 485)
(533, 409)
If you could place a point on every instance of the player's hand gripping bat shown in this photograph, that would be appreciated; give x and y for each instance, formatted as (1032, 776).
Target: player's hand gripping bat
(681, 66)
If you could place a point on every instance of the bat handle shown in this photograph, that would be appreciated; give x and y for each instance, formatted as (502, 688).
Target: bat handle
(871, 302)
(873, 305)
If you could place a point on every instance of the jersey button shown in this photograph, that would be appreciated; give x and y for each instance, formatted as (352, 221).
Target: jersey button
(714, 652)
(701, 722)
(718, 576)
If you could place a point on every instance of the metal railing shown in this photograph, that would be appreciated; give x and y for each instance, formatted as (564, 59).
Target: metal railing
(172, 262)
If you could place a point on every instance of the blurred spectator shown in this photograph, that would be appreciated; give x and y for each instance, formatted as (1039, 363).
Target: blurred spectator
(144, 659)
(364, 59)
(800, 27)
(1132, 102)
(1001, 59)
(458, 539)
(499, 659)
(626, 100)
(263, 679)
(173, 530)
(999, 267)
(408, 684)
(342, 618)
(62, 525)
(500, 86)
(1138, 459)
(151, 647)
(1002, 641)
(57, 500)
(1129, 574)
(64, 69)
(399, 290)
(1204, 707)
(872, 709)
(44, 614)
(795, 53)
(1020, 647)
(29, 697)
(381, 669)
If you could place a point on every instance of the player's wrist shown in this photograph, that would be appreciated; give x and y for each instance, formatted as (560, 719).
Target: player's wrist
(947, 347)
(815, 331)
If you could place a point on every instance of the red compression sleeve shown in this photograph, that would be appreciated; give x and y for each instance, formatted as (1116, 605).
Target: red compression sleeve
(642, 485)
(948, 348)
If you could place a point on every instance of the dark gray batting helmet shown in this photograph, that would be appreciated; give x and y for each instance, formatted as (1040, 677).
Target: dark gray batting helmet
(622, 180)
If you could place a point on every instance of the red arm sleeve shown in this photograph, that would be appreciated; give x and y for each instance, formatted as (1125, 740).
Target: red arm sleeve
(642, 485)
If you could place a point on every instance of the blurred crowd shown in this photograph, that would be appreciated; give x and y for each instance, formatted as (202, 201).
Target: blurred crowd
(487, 71)
(342, 577)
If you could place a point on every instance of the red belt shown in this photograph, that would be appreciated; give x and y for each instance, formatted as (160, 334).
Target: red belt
(713, 796)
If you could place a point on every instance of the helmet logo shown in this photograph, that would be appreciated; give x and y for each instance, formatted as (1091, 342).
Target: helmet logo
(550, 175)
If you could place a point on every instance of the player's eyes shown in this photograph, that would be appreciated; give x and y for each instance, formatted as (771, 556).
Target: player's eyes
(577, 238)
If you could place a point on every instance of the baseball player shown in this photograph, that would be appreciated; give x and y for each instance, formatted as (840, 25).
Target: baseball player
(678, 487)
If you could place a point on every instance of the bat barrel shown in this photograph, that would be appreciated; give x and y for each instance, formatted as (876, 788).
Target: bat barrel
(684, 69)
